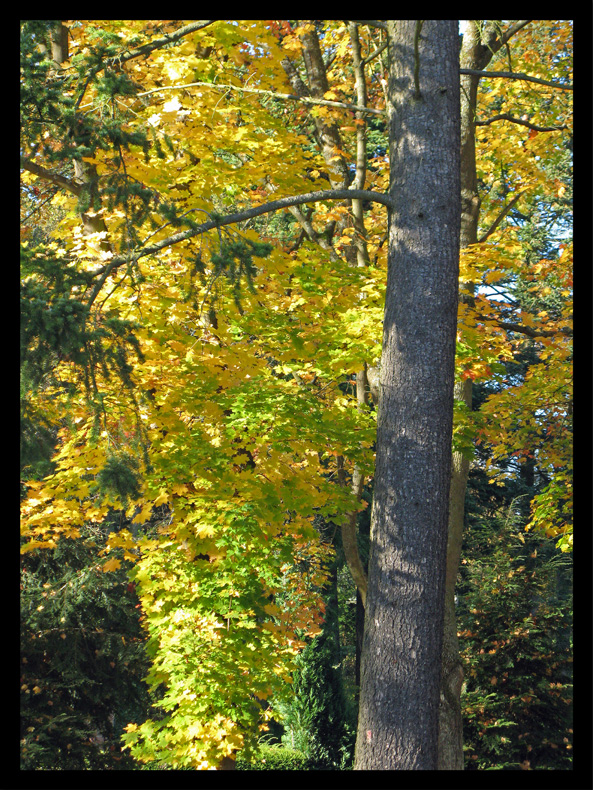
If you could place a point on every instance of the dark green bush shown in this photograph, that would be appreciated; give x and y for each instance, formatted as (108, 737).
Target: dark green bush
(82, 658)
(515, 623)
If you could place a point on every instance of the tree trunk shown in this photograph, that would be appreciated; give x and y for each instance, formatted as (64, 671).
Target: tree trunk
(480, 41)
(85, 173)
(227, 764)
(401, 662)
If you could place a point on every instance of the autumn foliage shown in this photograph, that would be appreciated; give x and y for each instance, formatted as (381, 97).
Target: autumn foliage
(200, 384)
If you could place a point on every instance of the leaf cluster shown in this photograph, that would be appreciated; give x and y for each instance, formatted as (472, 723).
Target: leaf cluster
(235, 261)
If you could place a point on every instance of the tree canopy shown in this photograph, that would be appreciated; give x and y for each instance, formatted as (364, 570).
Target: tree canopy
(204, 227)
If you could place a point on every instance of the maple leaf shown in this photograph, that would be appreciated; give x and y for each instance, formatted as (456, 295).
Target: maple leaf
(111, 565)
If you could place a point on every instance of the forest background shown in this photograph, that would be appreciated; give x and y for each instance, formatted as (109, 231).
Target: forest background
(198, 395)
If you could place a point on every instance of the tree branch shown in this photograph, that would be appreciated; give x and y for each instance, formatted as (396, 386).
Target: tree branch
(349, 540)
(362, 252)
(375, 53)
(501, 216)
(256, 211)
(516, 76)
(521, 122)
(514, 29)
(306, 224)
(371, 23)
(168, 38)
(54, 178)
(528, 330)
(284, 96)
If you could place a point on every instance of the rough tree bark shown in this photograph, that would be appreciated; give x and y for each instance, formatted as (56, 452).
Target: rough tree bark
(480, 41)
(401, 663)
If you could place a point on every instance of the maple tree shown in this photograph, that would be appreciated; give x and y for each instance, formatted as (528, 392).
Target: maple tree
(190, 352)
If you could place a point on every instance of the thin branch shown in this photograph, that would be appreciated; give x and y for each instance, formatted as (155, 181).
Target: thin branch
(38, 207)
(284, 96)
(521, 122)
(515, 75)
(256, 211)
(144, 50)
(501, 216)
(349, 540)
(362, 253)
(514, 29)
(375, 53)
(108, 269)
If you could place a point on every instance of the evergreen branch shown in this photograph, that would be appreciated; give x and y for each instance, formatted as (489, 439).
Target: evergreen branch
(256, 211)
(516, 75)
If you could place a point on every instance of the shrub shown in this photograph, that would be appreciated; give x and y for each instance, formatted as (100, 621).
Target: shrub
(274, 758)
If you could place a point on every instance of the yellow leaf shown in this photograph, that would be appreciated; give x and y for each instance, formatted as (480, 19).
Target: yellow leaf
(144, 514)
(111, 565)
(527, 319)
(161, 499)
(492, 277)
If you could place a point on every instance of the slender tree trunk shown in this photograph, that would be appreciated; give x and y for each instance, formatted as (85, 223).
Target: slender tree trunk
(401, 662)
(480, 41)
(85, 173)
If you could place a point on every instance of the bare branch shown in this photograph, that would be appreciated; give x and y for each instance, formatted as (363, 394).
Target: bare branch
(501, 216)
(514, 29)
(362, 253)
(528, 330)
(284, 96)
(375, 53)
(521, 122)
(517, 76)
